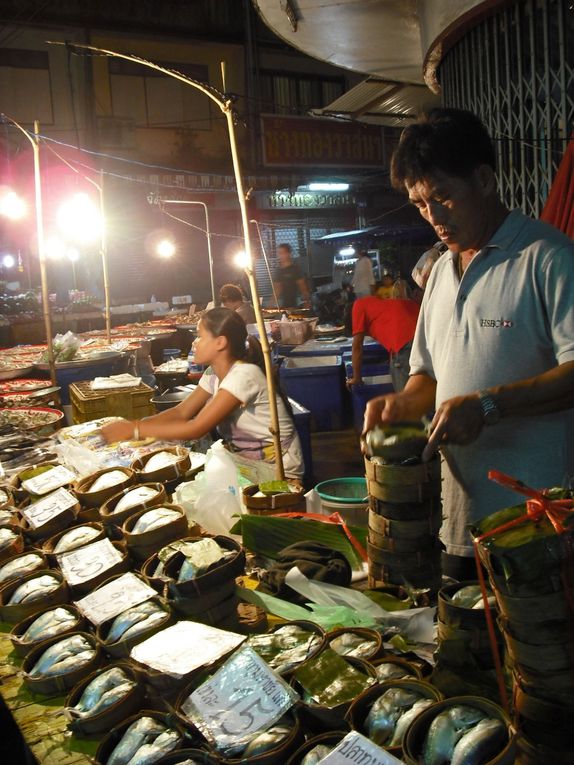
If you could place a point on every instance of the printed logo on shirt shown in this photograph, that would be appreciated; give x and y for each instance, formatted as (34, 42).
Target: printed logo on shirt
(496, 323)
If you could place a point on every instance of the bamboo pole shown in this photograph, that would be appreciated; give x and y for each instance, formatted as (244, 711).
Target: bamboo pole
(104, 256)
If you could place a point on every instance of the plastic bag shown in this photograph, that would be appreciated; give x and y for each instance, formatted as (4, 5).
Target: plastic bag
(65, 347)
(213, 498)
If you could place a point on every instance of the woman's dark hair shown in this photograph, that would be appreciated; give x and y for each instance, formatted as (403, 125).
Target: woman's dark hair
(230, 292)
(242, 346)
(453, 141)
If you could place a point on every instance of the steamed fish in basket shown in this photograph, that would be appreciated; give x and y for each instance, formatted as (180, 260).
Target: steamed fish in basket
(153, 519)
(199, 557)
(471, 597)
(389, 671)
(349, 644)
(463, 735)
(75, 538)
(392, 713)
(65, 656)
(316, 754)
(20, 566)
(106, 689)
(267, 740)
(135, 620)
(286, 648)
(159, 461)
(135, 497)
(107, 480)
(49, 624)
(144, 742)
(34, 589)
(7, 537)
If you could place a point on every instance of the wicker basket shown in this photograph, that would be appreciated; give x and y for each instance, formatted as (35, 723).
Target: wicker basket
(14, 577)
(113, 738)
(327, 739)
(120, 567)
(51, 543)
(97, 498)
(141, 546)
(52, 686)
(292, 502)
(121, 648)
(108, 516)
(20, 494)
(168, 473)
(20, 611)
(363, 633)
(23, 647)
(15, 547)
(280, 753)
(57, 523)
(112, 715)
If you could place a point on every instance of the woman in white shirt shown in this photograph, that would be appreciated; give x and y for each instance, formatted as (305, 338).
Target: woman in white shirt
(231, 396)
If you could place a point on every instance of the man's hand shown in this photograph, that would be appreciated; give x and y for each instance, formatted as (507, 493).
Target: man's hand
(384, 409)
(457, 421)
(350, 381)
(122, 430)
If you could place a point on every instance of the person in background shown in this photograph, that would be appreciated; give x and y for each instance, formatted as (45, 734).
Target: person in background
(493, 352)
(401, 289)
(231, 396)
(386, 288)
(391, 323)
(231, 296)
(289, 281)
(363, 277)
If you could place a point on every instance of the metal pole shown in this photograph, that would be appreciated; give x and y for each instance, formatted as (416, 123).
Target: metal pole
(269, 373)
(266, 262)
(41, 250)
(104, 255)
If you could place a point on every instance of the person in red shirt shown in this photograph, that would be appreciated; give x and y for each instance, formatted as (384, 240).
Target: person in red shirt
(391, 323)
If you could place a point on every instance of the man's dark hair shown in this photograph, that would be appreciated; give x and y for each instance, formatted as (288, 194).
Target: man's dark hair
(230, 292)
(285, 246)
(453, 141)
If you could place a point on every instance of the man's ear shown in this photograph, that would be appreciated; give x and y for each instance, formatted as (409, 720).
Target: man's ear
(486, 180)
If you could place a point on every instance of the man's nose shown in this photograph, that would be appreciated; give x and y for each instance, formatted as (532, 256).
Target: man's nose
(436, 214)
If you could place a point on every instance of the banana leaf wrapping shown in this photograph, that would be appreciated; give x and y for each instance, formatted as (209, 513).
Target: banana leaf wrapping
(331, 681)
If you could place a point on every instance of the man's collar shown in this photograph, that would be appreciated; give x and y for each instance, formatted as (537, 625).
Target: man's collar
(504, 235)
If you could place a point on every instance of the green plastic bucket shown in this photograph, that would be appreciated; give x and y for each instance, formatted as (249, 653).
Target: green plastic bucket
(347, 496)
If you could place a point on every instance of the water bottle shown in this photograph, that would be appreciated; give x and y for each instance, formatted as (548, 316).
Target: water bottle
(194, 370)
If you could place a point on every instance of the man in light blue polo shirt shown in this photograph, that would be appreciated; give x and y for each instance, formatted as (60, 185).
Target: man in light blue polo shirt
(494, 348)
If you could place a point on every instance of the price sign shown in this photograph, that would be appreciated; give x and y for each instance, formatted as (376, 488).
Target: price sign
(87, 562)
(113, 598)
(49, 507)
(355, 748)
(49, 480)
(243, 698)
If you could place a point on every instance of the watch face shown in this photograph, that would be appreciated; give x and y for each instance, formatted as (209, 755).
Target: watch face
(490, 410)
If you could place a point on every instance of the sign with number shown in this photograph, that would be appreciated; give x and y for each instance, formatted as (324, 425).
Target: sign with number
(49, 480)
(115, 597)
(87, 562)
(243, 698)
(355, 748)
(49, 507)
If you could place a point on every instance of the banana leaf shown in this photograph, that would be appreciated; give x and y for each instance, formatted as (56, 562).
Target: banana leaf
(329, 680)
(268, 535)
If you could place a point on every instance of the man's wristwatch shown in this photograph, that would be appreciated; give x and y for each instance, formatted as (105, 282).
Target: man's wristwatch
(490, 410)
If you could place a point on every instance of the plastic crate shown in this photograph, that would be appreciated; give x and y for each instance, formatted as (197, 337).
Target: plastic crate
(373, 386)
(130, 403)
(316, 382)
(66, 375)
(302, 419)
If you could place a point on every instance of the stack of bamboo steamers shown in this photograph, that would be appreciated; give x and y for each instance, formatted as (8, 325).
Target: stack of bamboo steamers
(529, 557)
(404, 508)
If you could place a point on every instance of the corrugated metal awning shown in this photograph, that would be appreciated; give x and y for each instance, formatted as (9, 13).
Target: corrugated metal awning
(382, 102)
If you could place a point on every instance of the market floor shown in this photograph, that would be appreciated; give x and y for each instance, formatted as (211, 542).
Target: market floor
(336, 454)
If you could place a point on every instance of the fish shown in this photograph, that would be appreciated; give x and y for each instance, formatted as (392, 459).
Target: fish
(109, 698)
(389, 671)
(6, 516)
(187, 572)
(145, 624)
(350, 644)
(159, 461)
(469, 597)
(445, 731)
(34, 589)
(129, 618)
(135, 497)
(491, 600)
(107, 480)
(140, 732)
(315, 755)
(481, 744)
(49, 624)
(154, 751)
(67, 647)
(7, 537)
(98, 686)
(23, 564)
(384, 714)
(269, 739)
(153, 519)
(406, 719)
(199, 556)
(3, 497)
(75, 538)
(70, 663)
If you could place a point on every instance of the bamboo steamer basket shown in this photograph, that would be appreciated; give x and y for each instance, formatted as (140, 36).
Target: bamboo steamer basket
(544, 721)
(535, 610)
(113, 738)
(121, 648)
(396, 545)
(173, 472)
(108, 516)
(280, 753)
(13, 614)
(224, 611)
(430, 510)
(15, 547)
(200, 756)
(10, 499)
(531, 753)
(95, 499)
(404, 530)
(541, 657)
(427, 577)
(17, 577)
(196, 607)
(327, 739)
(57, 523)
(398, 484)
(459, 617)
(475, 640)
(410, 669)
(365, 634)
(56, 685)
(405, 562)
(293, 502)
(360, 708)
(545, 633)
(23, 647)
(545, 685)
(120, 567)
(416, 732)
(141, 546)
(112, 715)
(321, 719)
(20, 494)
(51, 543)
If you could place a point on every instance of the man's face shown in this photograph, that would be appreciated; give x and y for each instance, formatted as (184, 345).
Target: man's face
(455, 208)
(284, 256)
